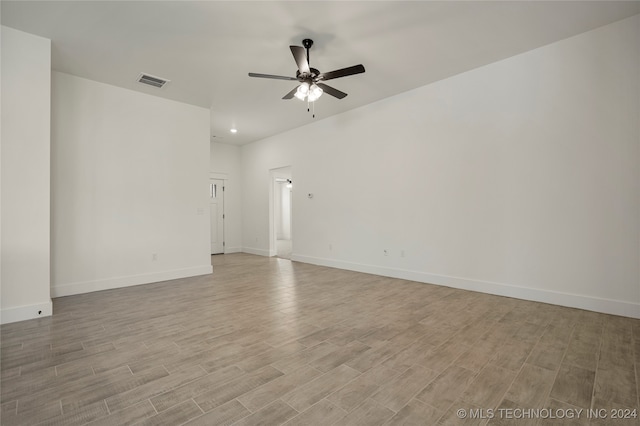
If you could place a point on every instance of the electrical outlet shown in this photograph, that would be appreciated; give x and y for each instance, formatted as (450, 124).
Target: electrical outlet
(401, 253)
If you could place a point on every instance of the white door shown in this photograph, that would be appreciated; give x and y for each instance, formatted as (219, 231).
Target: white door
(216, 209)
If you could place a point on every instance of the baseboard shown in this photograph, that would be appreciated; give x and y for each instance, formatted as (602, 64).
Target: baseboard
(607, 306)
(259, 252)
(70, 289)
(23, 313)
(229, 250)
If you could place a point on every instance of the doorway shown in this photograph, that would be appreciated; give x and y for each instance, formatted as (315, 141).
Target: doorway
(216, 211)
(281, 235)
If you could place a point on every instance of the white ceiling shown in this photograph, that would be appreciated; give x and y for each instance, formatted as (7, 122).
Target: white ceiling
(206, 48)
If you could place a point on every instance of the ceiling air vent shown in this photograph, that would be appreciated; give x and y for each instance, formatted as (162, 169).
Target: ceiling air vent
(152, 80)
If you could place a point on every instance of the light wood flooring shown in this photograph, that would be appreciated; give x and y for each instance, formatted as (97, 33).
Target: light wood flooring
(268, 341)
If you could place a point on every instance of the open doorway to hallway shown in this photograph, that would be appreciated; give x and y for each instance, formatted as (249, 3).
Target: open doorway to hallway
(216, 211)
(281, 235)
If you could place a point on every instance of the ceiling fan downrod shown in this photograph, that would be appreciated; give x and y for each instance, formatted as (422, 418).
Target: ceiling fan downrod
(307, 43)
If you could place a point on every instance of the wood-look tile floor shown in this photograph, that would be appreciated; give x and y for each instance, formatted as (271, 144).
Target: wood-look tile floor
(268, 341)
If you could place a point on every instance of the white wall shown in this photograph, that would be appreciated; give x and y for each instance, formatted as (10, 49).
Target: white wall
(25, 157)
(225, 163)
(129, 181)
(520, 178)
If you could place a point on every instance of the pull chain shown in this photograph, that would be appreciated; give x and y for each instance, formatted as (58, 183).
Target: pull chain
(311, 107)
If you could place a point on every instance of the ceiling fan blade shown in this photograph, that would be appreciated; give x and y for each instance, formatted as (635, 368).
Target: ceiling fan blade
(300, 55)
(291, 93)
(276, 77)
(356, 69)
(332, 91)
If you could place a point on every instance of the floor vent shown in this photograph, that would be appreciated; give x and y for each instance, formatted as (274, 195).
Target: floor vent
(152, 80)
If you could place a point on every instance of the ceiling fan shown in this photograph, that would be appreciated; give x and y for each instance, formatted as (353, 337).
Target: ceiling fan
(311, 80)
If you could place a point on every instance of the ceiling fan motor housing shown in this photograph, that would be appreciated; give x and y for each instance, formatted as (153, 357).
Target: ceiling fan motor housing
(313, 75)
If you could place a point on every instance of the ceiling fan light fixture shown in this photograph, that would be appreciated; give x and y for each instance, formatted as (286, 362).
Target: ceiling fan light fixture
(314, 93)
(303, 91)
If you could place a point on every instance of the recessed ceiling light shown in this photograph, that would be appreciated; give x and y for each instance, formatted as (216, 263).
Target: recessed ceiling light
(234, 130)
